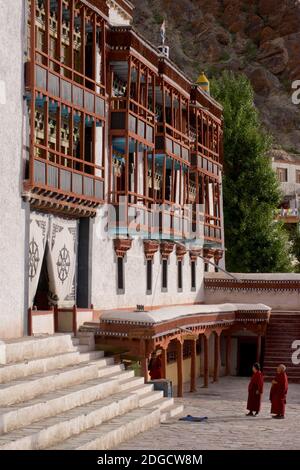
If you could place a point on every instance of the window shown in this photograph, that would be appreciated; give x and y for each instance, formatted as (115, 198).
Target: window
(179, 272)
(120, 275)
(298, 176)
(149, 276)
(193, 275)
(165, 274)
(206, 267)
(282, 175)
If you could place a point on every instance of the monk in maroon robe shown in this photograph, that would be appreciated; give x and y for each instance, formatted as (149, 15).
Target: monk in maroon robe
(255, 391)
(155, 367)
(278, 393)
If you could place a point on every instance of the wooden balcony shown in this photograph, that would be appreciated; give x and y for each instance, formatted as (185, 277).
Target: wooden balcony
(172, 142)
(132, 118)
(206, 165)
(56, 188)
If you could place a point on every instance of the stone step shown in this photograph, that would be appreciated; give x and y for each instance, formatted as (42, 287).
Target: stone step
(91, 356)
(151, 397)
(126, 383)
(290, 373)
(76, 341)
(21, 390)
(53, 403)
(83, 348)
(171, 411)
(30, 347)
(109, 435)
(54, 430)
(24, 369)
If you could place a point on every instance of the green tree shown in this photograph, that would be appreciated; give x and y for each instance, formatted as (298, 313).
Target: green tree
(255, 242)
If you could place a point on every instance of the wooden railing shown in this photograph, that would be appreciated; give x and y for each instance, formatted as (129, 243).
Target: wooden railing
(55, 311)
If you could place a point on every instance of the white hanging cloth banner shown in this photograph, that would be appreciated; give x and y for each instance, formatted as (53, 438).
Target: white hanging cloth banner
(38, 236)
(61, 261)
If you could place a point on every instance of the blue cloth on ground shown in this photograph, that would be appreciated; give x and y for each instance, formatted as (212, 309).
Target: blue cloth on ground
(195, 419)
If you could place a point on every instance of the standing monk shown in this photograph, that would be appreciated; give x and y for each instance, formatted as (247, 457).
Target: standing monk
(155, 367)
(255, 391)
(278, 393)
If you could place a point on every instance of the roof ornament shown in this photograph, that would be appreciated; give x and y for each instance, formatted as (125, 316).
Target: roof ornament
(164, 50)
(163, 33)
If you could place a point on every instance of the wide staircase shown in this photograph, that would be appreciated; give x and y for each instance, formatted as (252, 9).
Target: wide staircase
(56, 392)
(282, 331)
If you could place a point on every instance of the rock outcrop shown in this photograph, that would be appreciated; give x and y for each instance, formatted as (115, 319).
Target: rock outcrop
(260, 38)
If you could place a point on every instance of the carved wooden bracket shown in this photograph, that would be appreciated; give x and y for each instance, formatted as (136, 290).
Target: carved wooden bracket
(208, 253)
(150, 248)
(122, 245)
(180, 252)
(194, 254)
(218, 255)
(166, 249)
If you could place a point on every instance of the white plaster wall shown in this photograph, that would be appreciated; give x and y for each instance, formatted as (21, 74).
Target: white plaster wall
(290, 187)
(104, 278)
(12, 210)
(277, 300)
(116, 18)
(43, 324)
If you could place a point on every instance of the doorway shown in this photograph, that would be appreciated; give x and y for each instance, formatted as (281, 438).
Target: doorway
(247, 348)
(41, 300)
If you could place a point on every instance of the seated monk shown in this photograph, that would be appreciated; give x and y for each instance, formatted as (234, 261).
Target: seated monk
(255, 391)
(278, 393)
(155, 367)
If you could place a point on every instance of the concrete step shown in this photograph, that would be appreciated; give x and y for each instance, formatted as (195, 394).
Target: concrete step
(109, 435)
(30, 347)
(52, 431)
(90, 356)
(24, 369)
(151, 397)
(21, 390)
(171, 411)
(76, 341)
(83, 348)
(53, 403)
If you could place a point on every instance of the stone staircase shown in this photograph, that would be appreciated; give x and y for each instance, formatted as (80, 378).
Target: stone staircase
(58, 393)
(282, 331)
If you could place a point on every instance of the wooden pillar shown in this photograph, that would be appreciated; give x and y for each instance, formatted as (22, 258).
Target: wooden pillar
(217, 358)
(206, 361)
(144, 364)
(193, 367)
(258, 349)
(179, 369)
(74, 319)
(164, 363)
(228, 355)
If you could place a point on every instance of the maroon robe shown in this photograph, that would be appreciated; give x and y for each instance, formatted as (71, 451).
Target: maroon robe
(256, 385)
(278, 394)
(155, 368)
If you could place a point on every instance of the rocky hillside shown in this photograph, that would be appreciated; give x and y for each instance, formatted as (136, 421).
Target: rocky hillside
(260, 38)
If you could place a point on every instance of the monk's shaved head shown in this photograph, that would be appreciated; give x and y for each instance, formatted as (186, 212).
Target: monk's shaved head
(281, 368)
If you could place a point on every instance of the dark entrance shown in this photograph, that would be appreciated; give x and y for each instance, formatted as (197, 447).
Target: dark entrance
(247, 348)
(41, 300)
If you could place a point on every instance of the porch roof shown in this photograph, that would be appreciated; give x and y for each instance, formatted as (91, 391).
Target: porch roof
(168, 313)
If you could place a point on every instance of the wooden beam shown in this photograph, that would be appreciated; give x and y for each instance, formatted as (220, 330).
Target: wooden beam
(179, 369)
(144, 364)
(228, 355)
(217, 358)
(193, 366)
(258, 350)
(164, 362)
(206, 361)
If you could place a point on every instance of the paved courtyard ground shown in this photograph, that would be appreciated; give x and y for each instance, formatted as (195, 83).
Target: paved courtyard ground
(227, 426)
